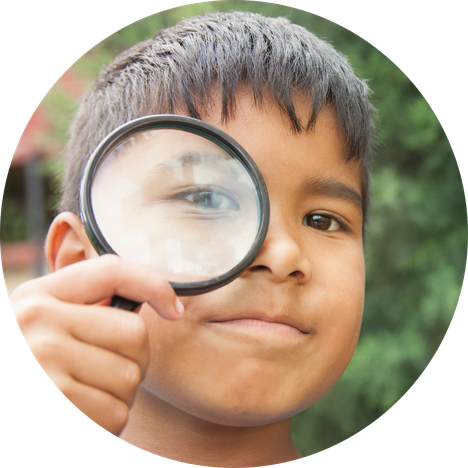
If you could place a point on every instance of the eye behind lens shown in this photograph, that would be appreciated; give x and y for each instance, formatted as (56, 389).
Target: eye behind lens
(209, 198)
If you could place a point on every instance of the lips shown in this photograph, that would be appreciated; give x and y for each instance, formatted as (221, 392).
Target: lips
(259, 327)
(262, 323)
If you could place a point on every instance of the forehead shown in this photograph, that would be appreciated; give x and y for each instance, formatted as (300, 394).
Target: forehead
(286, 158)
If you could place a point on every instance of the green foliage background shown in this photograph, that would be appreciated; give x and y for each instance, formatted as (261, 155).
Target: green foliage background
(416, 238)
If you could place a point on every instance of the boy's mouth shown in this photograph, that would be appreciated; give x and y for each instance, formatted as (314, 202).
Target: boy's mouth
(284, 326)
(262, 326)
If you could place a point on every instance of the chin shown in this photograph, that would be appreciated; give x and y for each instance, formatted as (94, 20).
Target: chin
(239, 403)
(244, 418)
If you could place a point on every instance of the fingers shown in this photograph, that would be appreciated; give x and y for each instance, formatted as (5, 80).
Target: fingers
(99, 381)
(95, 354)
(103, 408)
(47, 323)
(94, 280)
(92, 366)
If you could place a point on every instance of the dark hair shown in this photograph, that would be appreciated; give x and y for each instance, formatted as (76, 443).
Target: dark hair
(179, 69)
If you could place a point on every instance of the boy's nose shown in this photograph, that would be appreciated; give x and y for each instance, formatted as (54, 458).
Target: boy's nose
(281, 257)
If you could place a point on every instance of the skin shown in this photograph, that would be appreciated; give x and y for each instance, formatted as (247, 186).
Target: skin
(215, 386)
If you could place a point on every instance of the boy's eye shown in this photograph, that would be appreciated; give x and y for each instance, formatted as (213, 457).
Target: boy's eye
(210, 199)
(322, 222)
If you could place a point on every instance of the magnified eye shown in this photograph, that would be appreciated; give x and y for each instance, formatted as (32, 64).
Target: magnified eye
(322, 222)
(210, 199)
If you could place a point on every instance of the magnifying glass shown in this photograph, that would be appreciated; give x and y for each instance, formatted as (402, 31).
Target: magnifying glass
(179, 195)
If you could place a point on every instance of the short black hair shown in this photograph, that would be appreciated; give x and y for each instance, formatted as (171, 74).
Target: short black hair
(180, 68)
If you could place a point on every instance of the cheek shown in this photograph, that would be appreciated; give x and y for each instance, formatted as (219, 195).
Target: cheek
(342, 291)
(335, 304)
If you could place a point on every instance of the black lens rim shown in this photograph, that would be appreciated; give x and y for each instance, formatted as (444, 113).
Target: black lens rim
(198, 127)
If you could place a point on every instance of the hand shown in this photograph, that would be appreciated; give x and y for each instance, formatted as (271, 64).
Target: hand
(96, 355)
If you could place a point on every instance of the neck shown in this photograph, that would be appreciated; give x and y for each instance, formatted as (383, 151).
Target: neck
(157, 427)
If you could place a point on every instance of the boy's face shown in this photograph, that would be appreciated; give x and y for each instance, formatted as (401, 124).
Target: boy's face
(276, 339)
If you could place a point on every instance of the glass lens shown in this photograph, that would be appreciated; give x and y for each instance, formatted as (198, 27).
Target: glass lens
(178, 202)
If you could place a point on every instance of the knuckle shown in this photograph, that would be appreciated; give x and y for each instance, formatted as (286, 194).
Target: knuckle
(54, 348)
(132, 375)
(29, 311)
(119, 416)
(24, 289)
(48, 349)
(67, 387)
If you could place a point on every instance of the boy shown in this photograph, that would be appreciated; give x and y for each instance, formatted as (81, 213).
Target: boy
(214, 379)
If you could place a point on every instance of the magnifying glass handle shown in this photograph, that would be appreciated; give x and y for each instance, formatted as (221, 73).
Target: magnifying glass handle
(124, 304)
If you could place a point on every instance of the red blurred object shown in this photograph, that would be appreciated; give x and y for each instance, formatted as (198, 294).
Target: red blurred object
(20, 254)
(26, 149)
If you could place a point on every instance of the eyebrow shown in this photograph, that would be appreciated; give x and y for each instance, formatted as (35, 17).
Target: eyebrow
(331, 187)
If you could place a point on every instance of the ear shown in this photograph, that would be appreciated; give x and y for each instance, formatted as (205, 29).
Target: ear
(67, 242)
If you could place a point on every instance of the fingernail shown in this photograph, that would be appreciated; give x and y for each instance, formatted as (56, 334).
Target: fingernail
(179, 307)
